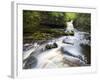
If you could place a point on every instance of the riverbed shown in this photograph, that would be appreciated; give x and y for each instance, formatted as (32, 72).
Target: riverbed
(71, 51)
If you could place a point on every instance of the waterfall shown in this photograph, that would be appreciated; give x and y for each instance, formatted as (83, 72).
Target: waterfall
(65, 51)
(70, 26)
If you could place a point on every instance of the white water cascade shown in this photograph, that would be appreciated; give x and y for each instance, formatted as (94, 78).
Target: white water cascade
(67, 54)
(70, 26)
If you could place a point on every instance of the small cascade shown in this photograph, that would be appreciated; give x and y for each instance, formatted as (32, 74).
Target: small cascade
(70, 27)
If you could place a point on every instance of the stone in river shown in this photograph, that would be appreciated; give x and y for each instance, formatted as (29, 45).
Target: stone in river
(30, 62)
(68, 41)
(51, 45)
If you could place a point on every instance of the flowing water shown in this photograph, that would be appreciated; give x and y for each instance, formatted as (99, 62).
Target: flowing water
(62, 52)
(70, 51)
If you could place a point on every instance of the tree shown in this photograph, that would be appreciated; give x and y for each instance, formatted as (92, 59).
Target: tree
(83, 22)
(70, 16)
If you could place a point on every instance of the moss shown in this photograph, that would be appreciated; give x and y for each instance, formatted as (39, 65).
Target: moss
(41, 36)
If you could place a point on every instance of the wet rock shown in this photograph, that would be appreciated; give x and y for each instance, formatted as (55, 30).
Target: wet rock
(68, 41)
(87, 36)
(51, 45)
(27, 46)
(30, 62)
(86, 50)
(85, 42)
(73, 61)
(69, 33)
(65, 51)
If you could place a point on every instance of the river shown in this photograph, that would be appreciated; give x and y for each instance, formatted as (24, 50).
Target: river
(71, 51)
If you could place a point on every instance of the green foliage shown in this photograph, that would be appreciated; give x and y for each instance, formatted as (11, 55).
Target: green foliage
(31, 20)
(53, 19)
(47, 34)
(70, 16)
(83, 22)
(41, 36)
(45, 25)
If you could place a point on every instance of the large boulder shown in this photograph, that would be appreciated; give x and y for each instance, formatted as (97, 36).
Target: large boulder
(72, 61)
(66, 51)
